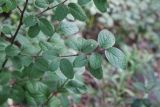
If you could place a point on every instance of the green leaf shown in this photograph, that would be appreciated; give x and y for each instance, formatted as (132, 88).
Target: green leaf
(72, 43)
(61, 12)
(32, 72)
(83, 2)
(12, 50)
(77, 11)
(76, 87)
(16, 93)
(50, 1)
(4, 77)
(80, 61)
(23, 40)
(97, 73)
(30, 100)
(64, 100)
(38, 90)
(40, 98)
(54, 64)
(68, 28)
(116, 57)
(30, 20)
(4, 94)
(66, 68)
(1, 10)
(41, 3)
(36, 87)
(106, 39)
(88, 45)
(2, 46)
(95, 61)
(26, 60)
(75, 84)
(8, 5)
(20, 60)
(2, 53)
(46, 27)
(6, 29)
(81, 44)
(141, 103)
(16, 62)
(49, 78)
(41, 64)
(33, 31)
(101, 5)
(50, 55)
(54, 102)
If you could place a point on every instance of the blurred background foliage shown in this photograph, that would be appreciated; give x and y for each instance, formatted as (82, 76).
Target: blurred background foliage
(136, 24)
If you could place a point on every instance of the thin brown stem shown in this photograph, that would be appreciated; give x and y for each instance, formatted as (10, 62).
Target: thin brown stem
(49, 8)
(69, 55)
(19, 9)
(17, 30)
(20, 23)
(4, 63)
(100, 51)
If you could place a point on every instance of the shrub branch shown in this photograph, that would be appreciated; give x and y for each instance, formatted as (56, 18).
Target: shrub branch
(49, 8)
(17, 30)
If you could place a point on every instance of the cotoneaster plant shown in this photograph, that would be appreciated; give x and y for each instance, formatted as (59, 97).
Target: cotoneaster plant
(40, 55)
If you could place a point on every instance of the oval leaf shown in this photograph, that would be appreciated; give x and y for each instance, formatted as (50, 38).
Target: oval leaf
(12, 50)
(30, 20)
(83, 2)
(54, 64)
(77, 11)
(97, 73)
(46, 27)
(33, 31)
(116, 57)
(41, 64)
(41, 3)
(101, 5)
(81, 44)
(61, 12)
(68, 28)
(36, 87)
(66, 68)
(106, 39)
(80, 61)
(87, 45)
(6, 29)
(95, 61)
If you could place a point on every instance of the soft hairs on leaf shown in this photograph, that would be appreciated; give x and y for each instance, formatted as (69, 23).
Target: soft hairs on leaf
(46, 27)
(116, 57)
(101, 5)
(106, 39)
(77, 11)
(66, 68)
